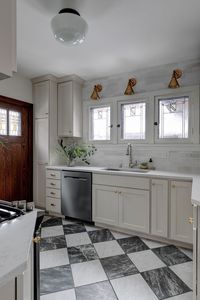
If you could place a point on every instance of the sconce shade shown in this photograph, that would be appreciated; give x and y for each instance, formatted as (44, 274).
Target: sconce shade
(69, 27)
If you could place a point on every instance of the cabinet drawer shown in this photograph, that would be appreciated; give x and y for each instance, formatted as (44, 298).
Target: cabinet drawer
(53, 193)
(53, 205)
(121, 181)
(53, 174)
(53, 183)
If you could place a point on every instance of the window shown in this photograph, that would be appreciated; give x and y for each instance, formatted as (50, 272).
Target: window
(100, 123)
(10, 122)
(173, 118)
(133, 117)
(14, 123)
(3, 121)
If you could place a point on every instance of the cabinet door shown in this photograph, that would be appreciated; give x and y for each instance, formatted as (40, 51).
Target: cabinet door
(65, 109)
(40, 185)
(181, 210)
(41, 141)
(105, 204)
(7, 292)
(41, 95)
(8, 38)
(159, 207)
(134, 209)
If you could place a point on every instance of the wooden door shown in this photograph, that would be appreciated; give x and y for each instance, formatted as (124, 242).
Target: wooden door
(16, 155)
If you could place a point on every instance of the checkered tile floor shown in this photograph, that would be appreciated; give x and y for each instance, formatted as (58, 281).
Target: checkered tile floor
(80, 262)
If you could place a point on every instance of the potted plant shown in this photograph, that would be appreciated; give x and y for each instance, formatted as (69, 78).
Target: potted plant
(75, 152)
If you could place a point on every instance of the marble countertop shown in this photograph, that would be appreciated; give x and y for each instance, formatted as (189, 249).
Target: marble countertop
(151, 174)
(15, 242)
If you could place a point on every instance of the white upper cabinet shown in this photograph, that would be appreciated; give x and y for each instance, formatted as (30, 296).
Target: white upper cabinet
(70, 109)
(181, 211)
(8, 38)
(41, 92)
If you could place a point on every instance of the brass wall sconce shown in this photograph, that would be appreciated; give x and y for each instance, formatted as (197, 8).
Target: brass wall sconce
(174, 80)
(129, 89)
(95, 94)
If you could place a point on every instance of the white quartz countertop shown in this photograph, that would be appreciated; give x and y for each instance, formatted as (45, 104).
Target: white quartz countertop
(15, 242)
(195, 178)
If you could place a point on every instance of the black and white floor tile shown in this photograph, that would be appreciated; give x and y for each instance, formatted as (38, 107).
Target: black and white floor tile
(81, 262)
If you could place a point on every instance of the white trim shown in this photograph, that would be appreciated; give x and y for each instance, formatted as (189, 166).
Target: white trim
(87, 122)
(193, 130)
(119, 117)
(149, 97)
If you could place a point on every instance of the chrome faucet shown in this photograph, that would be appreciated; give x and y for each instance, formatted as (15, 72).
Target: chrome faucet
(129, 153)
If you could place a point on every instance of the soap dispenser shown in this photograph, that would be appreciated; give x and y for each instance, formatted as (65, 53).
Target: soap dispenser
(150, 164)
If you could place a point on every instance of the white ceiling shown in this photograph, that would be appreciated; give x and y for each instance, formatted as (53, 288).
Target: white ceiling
(123, 35)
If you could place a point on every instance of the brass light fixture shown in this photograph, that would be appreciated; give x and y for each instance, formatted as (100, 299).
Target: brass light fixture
(95, 94)
(129, 89)
(174, 80)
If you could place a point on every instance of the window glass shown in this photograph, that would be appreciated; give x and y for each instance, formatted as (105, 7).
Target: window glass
(3, 121)
(133, 121)
(14, 123)
(100, 123)
(173, 118)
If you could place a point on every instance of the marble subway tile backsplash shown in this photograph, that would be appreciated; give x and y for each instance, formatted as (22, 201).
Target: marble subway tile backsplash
(166, 158)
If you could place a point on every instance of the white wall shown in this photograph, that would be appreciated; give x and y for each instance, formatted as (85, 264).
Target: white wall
(151, 79)
(182, 158)
(17, 87)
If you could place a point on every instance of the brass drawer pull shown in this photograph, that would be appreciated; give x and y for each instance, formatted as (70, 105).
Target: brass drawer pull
(52, 183)
(37, 239)
(53, 204)
(52, 193)
(190, 220)
(53, 175)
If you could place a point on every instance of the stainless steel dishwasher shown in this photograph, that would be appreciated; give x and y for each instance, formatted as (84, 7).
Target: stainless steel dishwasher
(76, 199)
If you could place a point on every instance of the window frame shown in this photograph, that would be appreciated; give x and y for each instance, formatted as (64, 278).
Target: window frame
(89, 123)
(193, 117)
(120, 140)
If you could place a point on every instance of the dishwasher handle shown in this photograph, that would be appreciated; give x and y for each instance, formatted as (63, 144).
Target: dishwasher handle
(76, 178)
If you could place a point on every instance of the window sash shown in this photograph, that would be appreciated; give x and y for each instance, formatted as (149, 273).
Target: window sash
(102, 114)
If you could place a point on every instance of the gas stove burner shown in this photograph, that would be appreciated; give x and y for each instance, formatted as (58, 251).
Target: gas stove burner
(8, 212)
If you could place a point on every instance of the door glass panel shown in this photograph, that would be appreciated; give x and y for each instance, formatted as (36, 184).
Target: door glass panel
(3, 121)
(14, 123)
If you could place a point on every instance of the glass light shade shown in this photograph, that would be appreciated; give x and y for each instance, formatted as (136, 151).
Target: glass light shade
(69, 28)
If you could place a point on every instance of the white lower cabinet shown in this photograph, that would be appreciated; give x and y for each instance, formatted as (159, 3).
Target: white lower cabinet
(122, 207)
(21, 287)
(159, 207)
(53, 191)
(105, 204)
(166, 214)
(181, 211)
(7, 292)
(134, 209)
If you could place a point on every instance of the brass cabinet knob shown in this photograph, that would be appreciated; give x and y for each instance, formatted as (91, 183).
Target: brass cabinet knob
(53, 175)
(190, 220)
(37, 239)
